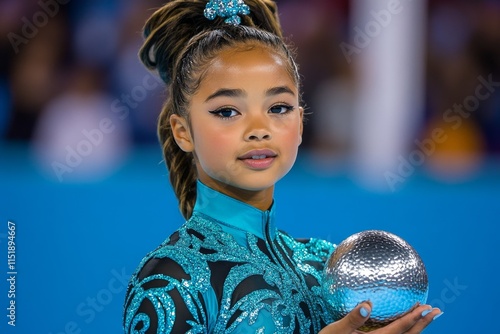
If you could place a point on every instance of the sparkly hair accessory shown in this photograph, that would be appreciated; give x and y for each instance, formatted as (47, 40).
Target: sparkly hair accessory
(229, 9)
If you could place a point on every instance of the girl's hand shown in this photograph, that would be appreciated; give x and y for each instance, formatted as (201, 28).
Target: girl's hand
(411, 323)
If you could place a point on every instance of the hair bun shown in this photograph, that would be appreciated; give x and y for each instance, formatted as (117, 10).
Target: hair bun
(166, 33)
(169, 29)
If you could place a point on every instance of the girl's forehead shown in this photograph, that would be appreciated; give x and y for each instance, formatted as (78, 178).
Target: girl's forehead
(249, 58)
(246, 67)
(246, 74)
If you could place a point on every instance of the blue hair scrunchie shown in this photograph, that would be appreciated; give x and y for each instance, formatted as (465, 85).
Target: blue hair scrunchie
(229, 9)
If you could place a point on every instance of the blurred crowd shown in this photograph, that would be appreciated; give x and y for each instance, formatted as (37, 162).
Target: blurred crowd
(71, 83)
(463, 75)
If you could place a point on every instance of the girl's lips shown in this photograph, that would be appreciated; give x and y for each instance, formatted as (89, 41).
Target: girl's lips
(259, 164)
(258, 159)
(258, 154)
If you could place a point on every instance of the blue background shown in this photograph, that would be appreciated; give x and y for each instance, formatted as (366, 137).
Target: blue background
(76, 243)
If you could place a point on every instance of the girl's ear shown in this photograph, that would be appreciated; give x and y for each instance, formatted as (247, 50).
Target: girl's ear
(182, 135)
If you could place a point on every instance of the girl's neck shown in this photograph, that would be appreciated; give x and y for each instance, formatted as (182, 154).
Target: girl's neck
(260, 199)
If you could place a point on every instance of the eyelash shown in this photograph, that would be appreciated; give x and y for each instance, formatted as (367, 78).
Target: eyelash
(288, 108)
(218, 112)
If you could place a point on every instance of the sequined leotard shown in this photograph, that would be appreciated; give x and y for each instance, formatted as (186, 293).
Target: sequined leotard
(229, 270)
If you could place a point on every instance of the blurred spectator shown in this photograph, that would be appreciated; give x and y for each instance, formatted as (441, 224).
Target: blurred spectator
(464, 52)
(140, 92)
(78, 138)
(35, 76)
(485, 49)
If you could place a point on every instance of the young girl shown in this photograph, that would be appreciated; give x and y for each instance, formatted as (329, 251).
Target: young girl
(230, 130)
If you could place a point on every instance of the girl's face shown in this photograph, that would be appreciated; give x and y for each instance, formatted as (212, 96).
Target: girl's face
(245, 124)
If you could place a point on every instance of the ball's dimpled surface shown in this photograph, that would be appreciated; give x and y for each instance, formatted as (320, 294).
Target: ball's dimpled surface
(377, 266)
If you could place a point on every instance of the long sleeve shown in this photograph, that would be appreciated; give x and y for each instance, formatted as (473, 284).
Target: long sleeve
(163, 298)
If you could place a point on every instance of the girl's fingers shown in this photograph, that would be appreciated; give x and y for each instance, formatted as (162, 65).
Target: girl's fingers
(415, 321)
(351, 322)
(427, 317)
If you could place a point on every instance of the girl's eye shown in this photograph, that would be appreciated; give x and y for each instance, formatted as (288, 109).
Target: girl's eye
(281, 109)
(224, 112)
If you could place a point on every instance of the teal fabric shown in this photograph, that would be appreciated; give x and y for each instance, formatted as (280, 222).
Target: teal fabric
(228, 269)
(234, 216)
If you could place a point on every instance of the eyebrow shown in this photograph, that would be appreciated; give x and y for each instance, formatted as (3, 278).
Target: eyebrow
(279, 90)
(227, 92)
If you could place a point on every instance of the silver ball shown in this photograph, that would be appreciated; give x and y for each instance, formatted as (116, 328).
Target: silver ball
(376, 266)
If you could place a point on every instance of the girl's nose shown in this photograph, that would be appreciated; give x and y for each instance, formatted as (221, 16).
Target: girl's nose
(258, 129)
(259, 135)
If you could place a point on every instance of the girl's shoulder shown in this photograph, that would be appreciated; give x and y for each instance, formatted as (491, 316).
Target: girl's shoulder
(173, 258)
(186, 253)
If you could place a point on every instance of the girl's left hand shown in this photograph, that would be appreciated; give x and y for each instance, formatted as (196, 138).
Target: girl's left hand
(412, 323)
